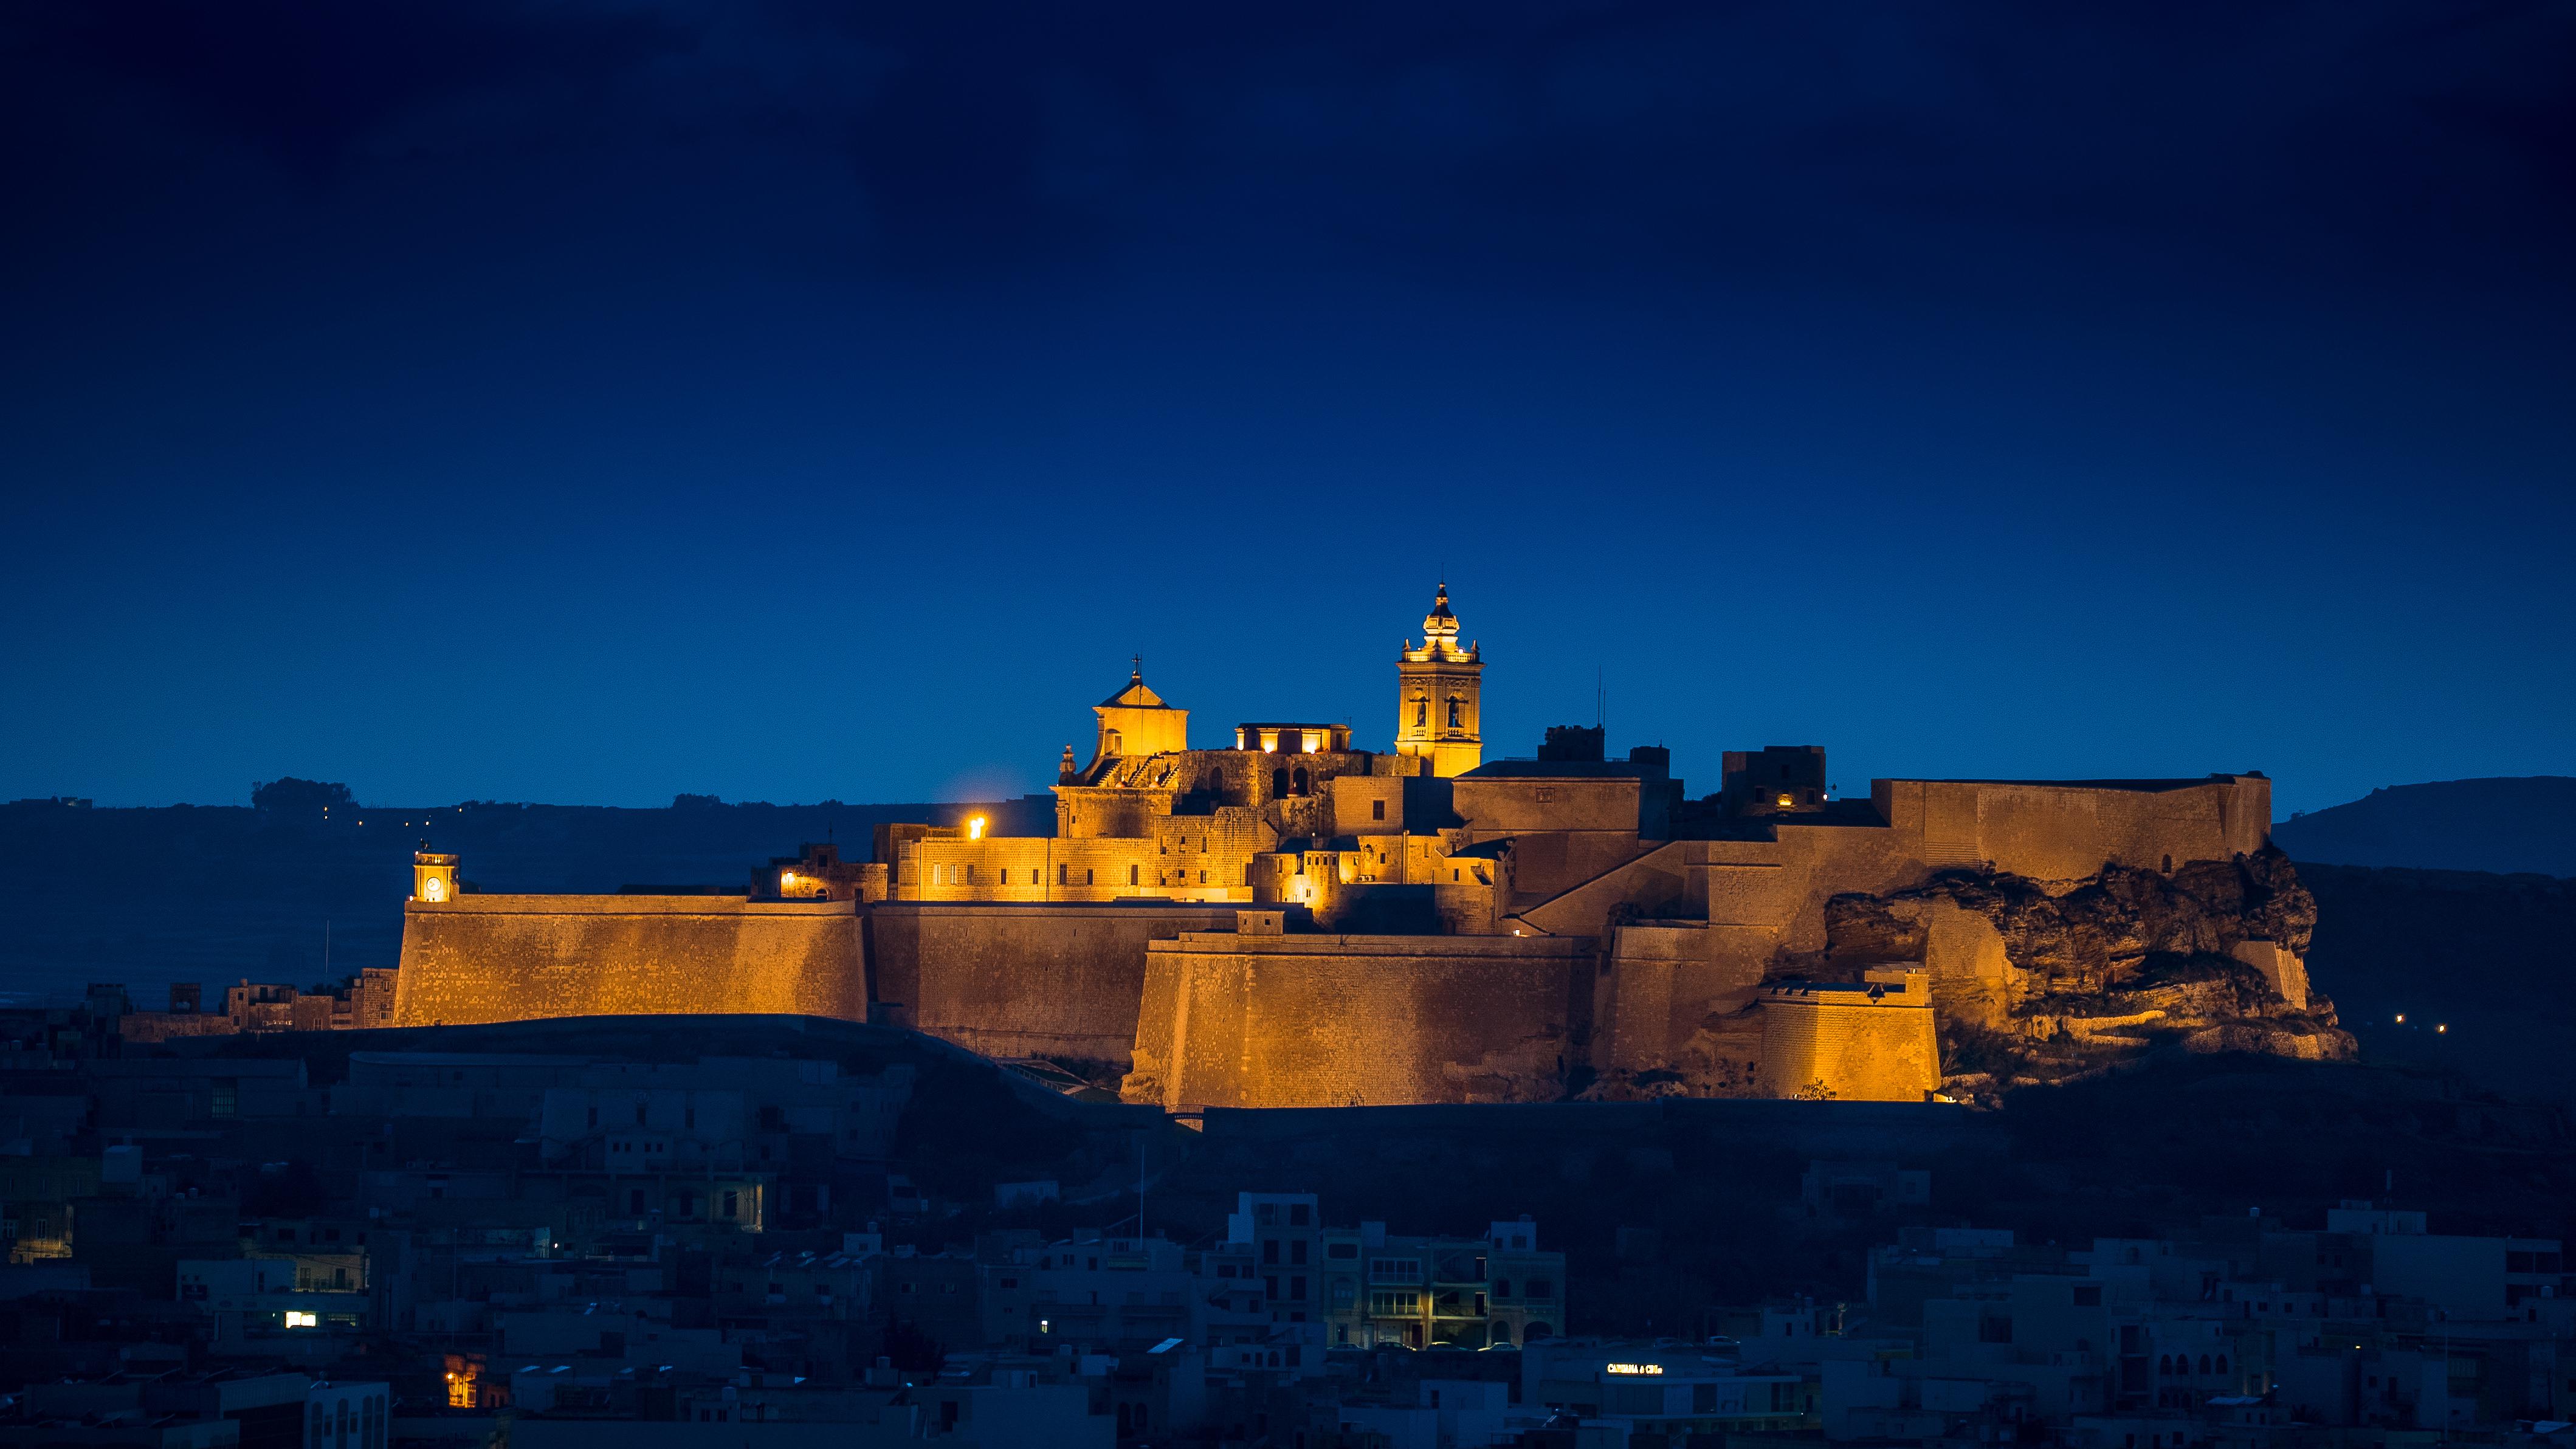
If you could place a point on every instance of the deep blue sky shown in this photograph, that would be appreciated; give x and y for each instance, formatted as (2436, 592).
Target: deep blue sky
(588, 402)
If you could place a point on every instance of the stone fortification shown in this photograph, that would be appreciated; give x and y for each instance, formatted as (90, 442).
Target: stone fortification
(1240, 1020)
(479, 958)
(1865, 1041)
(1058, 980)
(1569, 924)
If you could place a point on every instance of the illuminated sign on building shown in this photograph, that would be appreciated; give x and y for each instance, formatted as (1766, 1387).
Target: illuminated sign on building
(1633, 1368)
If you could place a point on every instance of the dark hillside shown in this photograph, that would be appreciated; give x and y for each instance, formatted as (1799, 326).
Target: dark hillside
(2483, 968)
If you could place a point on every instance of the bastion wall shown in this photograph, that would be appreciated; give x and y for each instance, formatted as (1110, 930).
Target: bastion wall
(481, 958)
(1324, 1020)
(1010, 979)
(1843, 1044)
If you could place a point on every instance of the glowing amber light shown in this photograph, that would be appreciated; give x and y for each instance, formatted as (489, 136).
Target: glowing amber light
(975, 828)
(433, 889)
(301, 1320)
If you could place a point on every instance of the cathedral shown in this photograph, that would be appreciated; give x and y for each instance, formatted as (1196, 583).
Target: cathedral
(1289, 921)
(1288, 815)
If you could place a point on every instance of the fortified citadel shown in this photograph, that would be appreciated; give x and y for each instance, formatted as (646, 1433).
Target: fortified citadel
(1289, 921)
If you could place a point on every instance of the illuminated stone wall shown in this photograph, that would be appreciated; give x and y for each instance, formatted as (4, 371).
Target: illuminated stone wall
(1185, 857)
(481, 958)
(1323, 1020)
(1841, 1044)
(1025, 980)
(2068, 831)
(1764, 899)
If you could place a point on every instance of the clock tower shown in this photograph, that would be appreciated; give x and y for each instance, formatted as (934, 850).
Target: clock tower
(1438, 685)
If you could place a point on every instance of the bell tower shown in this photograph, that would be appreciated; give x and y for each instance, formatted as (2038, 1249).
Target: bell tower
(1438, 695)
(433, 876)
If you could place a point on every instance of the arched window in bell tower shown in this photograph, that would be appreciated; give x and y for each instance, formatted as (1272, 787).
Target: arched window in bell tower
(1422, 714)
(1457, 713)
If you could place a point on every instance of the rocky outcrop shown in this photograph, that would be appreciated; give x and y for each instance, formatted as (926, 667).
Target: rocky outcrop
(2039, 980)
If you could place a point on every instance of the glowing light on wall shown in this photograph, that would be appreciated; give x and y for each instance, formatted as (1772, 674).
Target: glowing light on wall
(975, 828)
(433, 889)
(302, 1320)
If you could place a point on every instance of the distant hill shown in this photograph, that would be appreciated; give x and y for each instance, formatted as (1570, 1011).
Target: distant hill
(2506, 826)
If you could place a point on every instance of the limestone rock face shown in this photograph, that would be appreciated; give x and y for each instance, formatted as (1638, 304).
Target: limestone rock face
(2042, 979)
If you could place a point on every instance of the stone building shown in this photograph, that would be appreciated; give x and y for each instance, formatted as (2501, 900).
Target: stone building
(1287, 920)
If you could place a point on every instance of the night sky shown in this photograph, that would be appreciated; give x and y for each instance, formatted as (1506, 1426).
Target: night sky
(588, 402)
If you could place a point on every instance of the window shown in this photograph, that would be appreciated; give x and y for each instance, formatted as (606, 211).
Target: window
(1502, 1287)
(1395, 1270)
(1299, 1214)
(1457, 712)
(1087, 876)
(1384, 1302)
(1270, 1251)
(1377, 810)
(1059, 874)
(1297, 1288)
(1341, 1250)
(1542, 1287)
(1421, 714)
(2088, 1295)
(1131, 875)
(732, 1204)
(639, 1114)
(1297, 1252)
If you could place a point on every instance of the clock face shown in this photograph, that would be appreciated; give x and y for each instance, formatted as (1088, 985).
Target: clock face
(434, 889)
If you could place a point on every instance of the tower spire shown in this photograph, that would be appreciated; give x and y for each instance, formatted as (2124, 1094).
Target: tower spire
(1439, 693)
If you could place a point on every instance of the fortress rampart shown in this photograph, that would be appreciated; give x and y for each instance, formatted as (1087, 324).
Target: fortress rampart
(1277, 1021)
(1433, 927)
(1025, 980)
(1866, 1042)
(479, 958)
